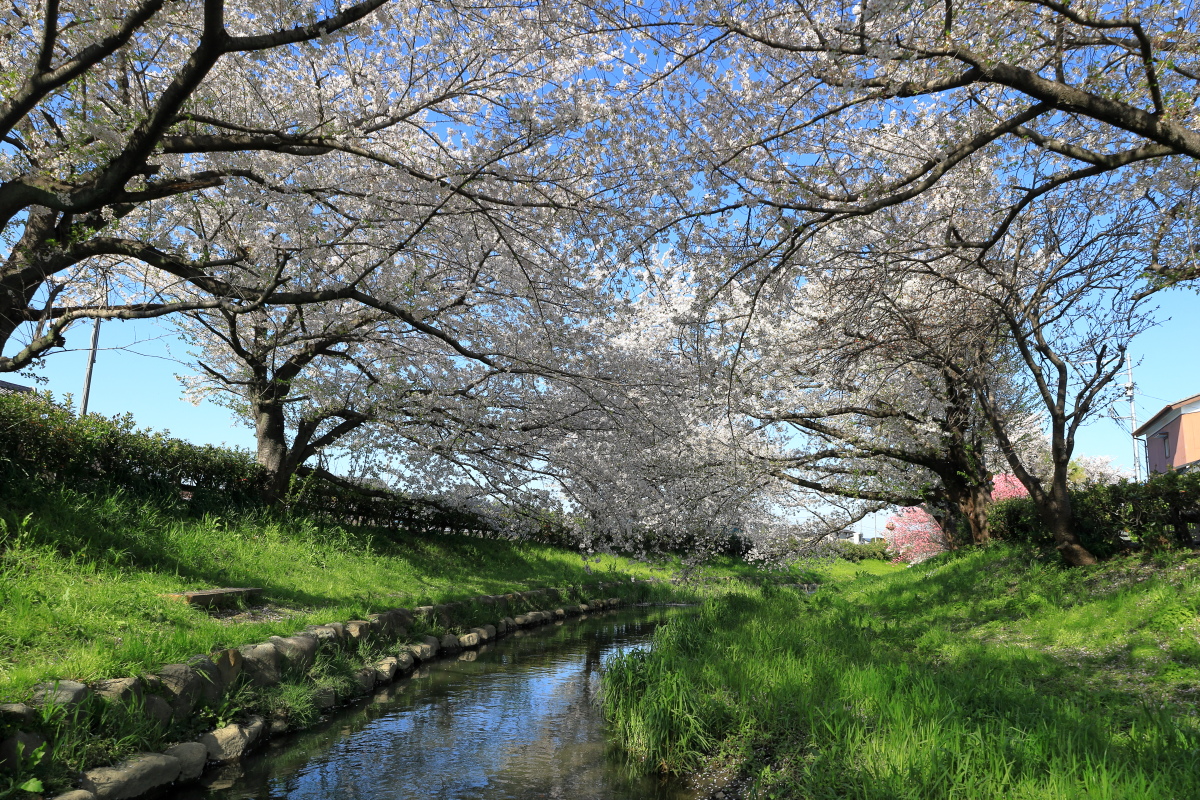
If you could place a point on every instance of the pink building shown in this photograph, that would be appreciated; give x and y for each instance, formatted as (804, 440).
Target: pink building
(1173, 435)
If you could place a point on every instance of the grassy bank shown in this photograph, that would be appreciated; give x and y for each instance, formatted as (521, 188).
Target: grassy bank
(83, 578)
(989, 674)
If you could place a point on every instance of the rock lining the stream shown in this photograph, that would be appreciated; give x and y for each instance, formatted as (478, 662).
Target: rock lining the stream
(177, 690)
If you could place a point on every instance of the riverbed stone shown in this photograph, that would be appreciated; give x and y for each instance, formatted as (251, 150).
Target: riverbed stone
(449, 644)
(131, 778)
(420, 651)
(182, 686)
(17, 748)
(229, 665)
(326, 636)
(119, 690)
(325, 698)
(157, 710)
(468, 655)
(192, 758)
(260, 663)
(359, 629)
(490, 630)
(522, 620)
(17, 713)
(385, 670)
(75, 794)
(254, 728)
(231, 742)
(296, 653)
(468, 640)
(212, 687)
(501, 627)
(510, 623)
(225, 744)
(69, 694)
(404, 662)
(366, 679)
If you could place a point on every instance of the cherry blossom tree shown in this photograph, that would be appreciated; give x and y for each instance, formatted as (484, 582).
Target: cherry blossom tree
(1087, 471)
(914, 535)
(1006, 486)
(871, 415)
(169, 156)
(803, 114)
(308, 377)
(463, 315)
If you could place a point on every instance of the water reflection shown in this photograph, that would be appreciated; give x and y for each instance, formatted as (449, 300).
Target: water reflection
(516, 720)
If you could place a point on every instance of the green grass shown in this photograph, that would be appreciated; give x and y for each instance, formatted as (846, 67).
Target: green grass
(82, 579)
(841, 570)
(984, 674)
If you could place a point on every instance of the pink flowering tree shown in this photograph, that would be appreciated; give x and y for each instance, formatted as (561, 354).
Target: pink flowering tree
(915, 535)
(1006, 486)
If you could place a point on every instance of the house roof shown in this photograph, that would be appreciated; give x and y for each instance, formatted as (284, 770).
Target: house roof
(1157, 420)
(5, 386)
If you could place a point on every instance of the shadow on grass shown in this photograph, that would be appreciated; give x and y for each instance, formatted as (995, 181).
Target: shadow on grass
(116, 531)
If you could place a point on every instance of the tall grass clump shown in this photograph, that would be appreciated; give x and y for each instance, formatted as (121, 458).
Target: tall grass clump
(983, 675)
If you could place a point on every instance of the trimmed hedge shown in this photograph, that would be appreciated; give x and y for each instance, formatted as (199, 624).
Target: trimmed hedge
(1153, 514)
(43, 442)
(46, 442)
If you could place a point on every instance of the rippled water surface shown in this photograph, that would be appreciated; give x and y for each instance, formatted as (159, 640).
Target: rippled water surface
(515, 720)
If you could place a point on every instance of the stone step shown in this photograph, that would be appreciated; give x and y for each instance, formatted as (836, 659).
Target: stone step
(216, 598)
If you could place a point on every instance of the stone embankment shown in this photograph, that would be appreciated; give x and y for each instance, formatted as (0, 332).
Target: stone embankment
(178, 691)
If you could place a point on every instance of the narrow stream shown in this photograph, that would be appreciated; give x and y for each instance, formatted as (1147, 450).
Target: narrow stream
(515, 720)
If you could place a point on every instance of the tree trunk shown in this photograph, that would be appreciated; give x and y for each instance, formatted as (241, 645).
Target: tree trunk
(968, 492)
(973, 504)
(273, 452)
(1059, 517)
(20, 277)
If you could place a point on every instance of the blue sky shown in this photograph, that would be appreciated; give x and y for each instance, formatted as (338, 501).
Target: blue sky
(135, 372)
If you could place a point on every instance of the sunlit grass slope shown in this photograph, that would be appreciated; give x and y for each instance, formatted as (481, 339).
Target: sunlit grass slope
(986, 675)
(82, 579)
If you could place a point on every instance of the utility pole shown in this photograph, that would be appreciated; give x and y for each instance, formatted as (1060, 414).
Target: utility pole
(87, 375)
(1129, 393)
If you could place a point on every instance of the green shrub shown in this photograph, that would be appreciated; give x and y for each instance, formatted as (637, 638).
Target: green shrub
(876, 549)
(1153, 514)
